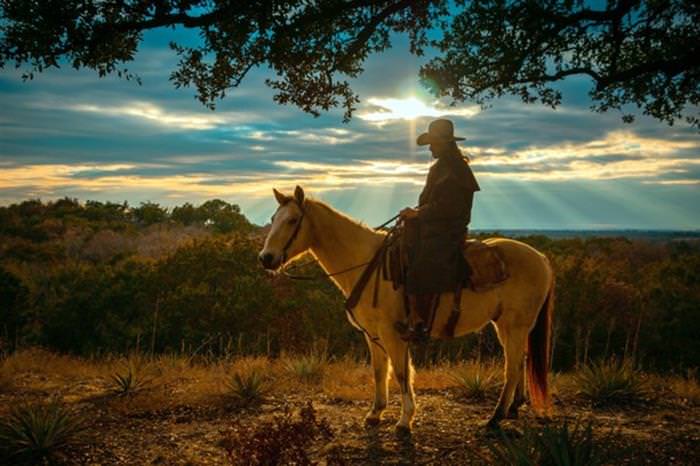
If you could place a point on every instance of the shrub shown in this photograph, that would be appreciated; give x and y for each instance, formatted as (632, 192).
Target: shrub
(309, 368)
(127, 381)
(247, 388)
(475, 381)
(6, 382)
(548, 446)
(33, 434)
(687, 388)
(282, 440)
(611, 382)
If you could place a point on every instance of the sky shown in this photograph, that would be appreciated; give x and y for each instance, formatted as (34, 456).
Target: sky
(70, 133)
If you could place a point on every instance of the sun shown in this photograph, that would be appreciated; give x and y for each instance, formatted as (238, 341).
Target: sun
(408, 108)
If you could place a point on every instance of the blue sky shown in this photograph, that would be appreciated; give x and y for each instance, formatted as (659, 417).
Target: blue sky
(69, 133)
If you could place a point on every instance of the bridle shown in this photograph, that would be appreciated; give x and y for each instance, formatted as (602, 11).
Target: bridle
(295, 233)
(348, 309)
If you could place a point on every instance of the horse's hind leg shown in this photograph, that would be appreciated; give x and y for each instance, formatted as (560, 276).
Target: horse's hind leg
(513, 341)
(380, 367)
(518, 397)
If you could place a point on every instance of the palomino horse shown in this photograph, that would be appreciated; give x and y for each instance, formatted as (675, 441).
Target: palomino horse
(520, 308)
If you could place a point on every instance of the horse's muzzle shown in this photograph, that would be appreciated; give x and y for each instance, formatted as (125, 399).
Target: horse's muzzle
(268, 260)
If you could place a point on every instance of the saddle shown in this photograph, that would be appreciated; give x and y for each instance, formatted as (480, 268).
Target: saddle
(485, 265)
(487, 269)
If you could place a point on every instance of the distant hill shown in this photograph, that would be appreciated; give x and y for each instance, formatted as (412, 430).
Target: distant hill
(652, 235)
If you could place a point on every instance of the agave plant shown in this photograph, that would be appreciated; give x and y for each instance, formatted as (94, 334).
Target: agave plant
(475, 382)
(33, 434)
(127, 381)
(309, 368)
(611, 382)
(247, 389)
(548, 446)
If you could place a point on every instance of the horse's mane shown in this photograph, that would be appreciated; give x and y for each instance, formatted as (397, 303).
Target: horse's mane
(334, 211)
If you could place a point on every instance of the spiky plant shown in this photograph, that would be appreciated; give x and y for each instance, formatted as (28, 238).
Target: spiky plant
(33, 434)
(475, 382)
(611, 382)
(247, 389)
(548, 446)
(127, 381)
(309, 368)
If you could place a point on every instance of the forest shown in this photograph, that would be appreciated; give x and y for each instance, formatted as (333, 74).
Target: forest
(102, 278)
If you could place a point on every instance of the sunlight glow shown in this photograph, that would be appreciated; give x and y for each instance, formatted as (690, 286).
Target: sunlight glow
(410, 108)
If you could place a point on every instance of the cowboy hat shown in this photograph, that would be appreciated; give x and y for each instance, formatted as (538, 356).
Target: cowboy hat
(438, 131)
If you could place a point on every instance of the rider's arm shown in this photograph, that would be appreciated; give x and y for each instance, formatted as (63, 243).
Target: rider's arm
(451, 200)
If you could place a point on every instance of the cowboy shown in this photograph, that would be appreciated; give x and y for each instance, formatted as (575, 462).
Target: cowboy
(440, 222)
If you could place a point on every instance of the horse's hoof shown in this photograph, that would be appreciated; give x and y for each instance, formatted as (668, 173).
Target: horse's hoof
(403, 431)
(372, 420)
(493, 425)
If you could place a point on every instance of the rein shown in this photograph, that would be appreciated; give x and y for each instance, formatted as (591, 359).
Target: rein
(286, 270)
(352, 300)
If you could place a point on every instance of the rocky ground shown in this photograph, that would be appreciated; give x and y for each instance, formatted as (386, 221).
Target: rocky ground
(181, 413)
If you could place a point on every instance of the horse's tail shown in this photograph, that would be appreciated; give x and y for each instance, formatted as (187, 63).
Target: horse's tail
(539, 347)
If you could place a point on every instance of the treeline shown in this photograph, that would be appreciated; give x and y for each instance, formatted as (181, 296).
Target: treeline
(108, 278)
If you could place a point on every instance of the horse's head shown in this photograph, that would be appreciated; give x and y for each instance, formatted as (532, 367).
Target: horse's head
(289, 233)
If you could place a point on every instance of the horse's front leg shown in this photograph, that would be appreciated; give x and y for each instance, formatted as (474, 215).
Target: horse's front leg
(397, 350)
(380, 367)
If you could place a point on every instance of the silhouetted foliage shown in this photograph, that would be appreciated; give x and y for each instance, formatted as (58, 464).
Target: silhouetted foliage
(642, 52)
(92, 278)
(149, 213)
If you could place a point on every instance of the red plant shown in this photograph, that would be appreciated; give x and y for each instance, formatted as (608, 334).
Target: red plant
(281, 440)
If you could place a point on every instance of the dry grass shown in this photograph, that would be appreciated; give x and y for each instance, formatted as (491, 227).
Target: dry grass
(38, 361)
(348, 380)
(687, 388)
(309, 368)
(178, 380)
(563, 384)
(6, 382)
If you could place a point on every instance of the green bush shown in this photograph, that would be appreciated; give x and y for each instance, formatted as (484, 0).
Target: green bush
(34, 434)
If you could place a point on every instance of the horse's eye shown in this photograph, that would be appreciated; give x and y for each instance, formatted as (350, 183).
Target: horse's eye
(292, 221)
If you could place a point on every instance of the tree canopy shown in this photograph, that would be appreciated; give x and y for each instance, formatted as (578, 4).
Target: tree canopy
(643, 53)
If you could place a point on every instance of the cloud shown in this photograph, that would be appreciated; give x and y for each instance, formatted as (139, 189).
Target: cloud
(620, 154)
(157, 115)
(70, 134)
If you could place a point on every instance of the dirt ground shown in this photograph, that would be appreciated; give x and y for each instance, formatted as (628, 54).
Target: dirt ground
(181, 417)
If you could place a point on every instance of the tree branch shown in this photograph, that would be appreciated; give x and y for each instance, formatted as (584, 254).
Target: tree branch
(365, 34)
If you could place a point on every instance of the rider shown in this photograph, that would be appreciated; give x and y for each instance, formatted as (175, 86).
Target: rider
(444, 209)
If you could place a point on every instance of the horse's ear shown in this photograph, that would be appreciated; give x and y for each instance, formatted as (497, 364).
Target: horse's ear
(281, 198)
(299, 195)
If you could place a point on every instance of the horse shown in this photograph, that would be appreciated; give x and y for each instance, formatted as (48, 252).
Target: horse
(520, 308)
